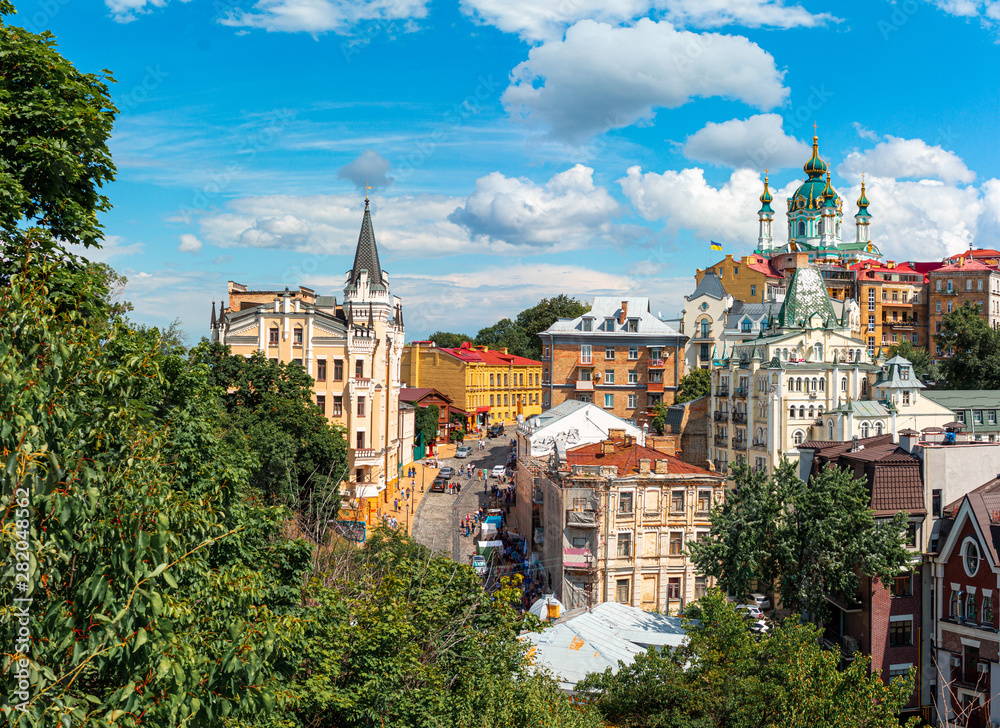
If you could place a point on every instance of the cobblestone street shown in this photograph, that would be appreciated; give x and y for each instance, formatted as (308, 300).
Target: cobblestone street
(436, 524)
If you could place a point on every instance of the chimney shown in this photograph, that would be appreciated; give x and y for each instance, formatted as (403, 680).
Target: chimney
(661, 467)
(621, 319)
(644, 466)
(618, 434)
(607, 447)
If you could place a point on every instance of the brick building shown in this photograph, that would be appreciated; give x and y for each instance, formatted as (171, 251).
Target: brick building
(352, 351)
(882, 621)
(952, 286)
(616, 519)
(618, 356)
(893, 302)
(752, 278)
(424, 397)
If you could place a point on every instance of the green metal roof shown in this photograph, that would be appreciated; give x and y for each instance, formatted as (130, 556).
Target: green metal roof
(805, 298)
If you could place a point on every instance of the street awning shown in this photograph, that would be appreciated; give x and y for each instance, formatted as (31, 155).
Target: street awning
(482, 409)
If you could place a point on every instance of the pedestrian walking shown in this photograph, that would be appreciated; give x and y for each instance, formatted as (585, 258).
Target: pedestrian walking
(395, 504)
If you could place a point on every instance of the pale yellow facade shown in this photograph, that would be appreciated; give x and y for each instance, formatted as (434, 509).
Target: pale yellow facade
(489, 385)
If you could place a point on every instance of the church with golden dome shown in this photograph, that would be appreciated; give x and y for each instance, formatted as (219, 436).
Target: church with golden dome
(815, 220)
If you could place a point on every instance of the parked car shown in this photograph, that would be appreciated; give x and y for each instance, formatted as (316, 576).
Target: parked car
(440, 485)
(447, 473)
(760, 600)
(750, 611)
(760, 627)
(463, 451)
(479, 564)
(498, 470)
(495, 431)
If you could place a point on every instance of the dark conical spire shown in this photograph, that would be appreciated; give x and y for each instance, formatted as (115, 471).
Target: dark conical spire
(213, 314)
(366, 255)
(371, 317)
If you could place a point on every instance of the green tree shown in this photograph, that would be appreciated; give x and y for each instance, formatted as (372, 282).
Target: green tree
(427, 422)
(55, 123)
(920, 358)
(807, 541)
(504, 334)
(541, 316)
(448, 340)
(975, 359)
(696, 383)
(725, 676)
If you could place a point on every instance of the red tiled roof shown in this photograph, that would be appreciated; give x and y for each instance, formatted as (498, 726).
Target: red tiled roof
(980, 253)
(897, 488)
(762, 265)
(926, 267)
(415, 394)
(626, 459)
(868, 269)
(968, 265)
(498, 358)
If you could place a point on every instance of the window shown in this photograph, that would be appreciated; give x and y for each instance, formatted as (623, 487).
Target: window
(960, 416)
(361, 406)
(272, 336)
(298, 361)
(968, 285)
(753, 290)
(359, 369)
(359, 475)
(798, 437)
(633, 401)
(864, 429)
(491, 380)
(902, 585)
(506, 400)
(977, 417)
(802, 228)
(609, 400)
(545, 375)
(955, 606)
(700, 587)
(491, 400)
(937, 307)
(505, 380)
(936, 502)
(878, 428)
(624, 544)
(906, 396)
(520, 380)
(987, 610)
(970, 608)
(871, 323)
(633, 377)
(898, 671)
(321, 370)
(609, 376)
(585, 355)
(588, 324)
(674, 587)
(971, 557)
(676, 543)
(901, 633)
(359, 440)
(609, 352)
(625, 502)
(979, 286)
(704, 501)
(677, 501)
(949, 306)
(654, 352)
(991, 417)
(321, 403)
(338, 406)
(297, 335)
(633, 352)
(745, 326)
(623, 591)
(633, 326)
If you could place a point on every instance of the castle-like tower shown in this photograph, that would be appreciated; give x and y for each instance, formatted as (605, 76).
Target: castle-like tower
(815, 219)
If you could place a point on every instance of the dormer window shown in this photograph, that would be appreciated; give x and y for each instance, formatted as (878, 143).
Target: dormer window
(904, 372)
(633, 325)
(746, 326)
(609, 324)
(588, 324)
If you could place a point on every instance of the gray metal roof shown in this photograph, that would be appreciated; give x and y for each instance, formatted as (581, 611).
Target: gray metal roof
(366, 256)
(608, 307)
(891, 376)
(955, 399)
(710, 286)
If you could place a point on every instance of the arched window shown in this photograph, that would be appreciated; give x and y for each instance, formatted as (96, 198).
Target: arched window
(798, 437)
(817, 352)
(822, 384)
(812, 412)
(815, 384)
(798, 384)
(791, 411)
(273, 336)
(760, 434)
(843, 384)
(802, 228)
(829, 430)
(864, 429)
(878, 428)
(857, 355)
(802, 411)
(864, 387)
(819, 410)
(706, 328)
(791, 384)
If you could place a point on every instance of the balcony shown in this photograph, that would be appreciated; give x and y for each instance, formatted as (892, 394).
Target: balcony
(903, 304)
(722, 392)
(739, 443)
(654, 386)
(740, 392)
(759, 444)
(721, 467)
(721, 416)
(581, 519)
(362, 455)
(973, 673)
(721, 441)
(585, 360)
(900, 324)
(584, 385)
(656, 364)
(740, 418)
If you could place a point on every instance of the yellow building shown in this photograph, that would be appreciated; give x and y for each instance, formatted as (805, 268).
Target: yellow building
(353, 352)
(751, 279)
(488, 385)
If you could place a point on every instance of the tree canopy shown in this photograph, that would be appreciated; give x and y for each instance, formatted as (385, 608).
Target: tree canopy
(696, 383)
(727, 677)
(920, 358)
(801, 541)
(974, 361)
(448, 340)
(520, 336)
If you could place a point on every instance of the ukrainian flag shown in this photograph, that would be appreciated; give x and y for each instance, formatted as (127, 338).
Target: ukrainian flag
(715, 245)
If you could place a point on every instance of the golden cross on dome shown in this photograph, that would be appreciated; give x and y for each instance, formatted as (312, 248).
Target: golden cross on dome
(814, 127)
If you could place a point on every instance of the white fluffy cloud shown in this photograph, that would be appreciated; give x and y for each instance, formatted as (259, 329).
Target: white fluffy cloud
(502, 216)
(368, 168)
(322, 16)
(570, 87)
(568, 211)
(907, 158)
(125, 11)
(756, 143)
(189, 244)
(546, 21)
(987, 11)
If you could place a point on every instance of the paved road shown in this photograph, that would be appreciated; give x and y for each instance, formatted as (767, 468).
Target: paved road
(439, 514)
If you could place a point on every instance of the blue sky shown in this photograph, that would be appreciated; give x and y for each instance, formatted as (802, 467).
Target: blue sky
(521, 148)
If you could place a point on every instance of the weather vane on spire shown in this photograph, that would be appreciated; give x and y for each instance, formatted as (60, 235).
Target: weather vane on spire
(367, 187)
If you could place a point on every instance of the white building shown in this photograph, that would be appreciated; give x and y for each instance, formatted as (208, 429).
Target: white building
(703, 321)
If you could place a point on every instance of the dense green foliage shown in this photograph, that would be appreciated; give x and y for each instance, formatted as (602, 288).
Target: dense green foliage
(696, 383)
(520, 336)
(920, 358)
(301, 457)
(448, 340)
(803, 541)
(975, 359)
(54, 128)
(426, 422)
(726, 677)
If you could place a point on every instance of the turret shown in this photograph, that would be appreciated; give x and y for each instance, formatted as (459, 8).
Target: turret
(828, 222)
(765, 239)
(863, 218)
